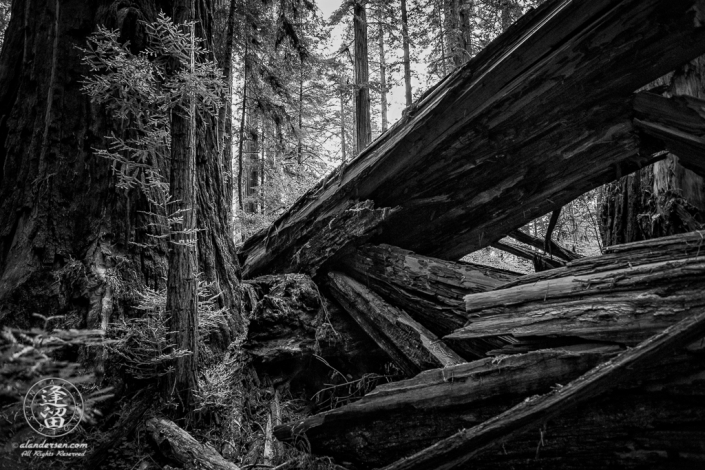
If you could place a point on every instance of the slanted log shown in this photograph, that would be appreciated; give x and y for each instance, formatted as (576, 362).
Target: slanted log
(541, 262)
(678, 122)
(353, 224)
(506, 137)
(409, 344)
(555, 248)
(402, 417)
(429, 289)
(673, 247)
(176, 444)
(622, 305)
(457, 450)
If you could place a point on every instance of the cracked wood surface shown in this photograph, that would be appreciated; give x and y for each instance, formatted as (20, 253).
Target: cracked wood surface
(456, 451)
(540, 116)
(409, 344)
(398, 418)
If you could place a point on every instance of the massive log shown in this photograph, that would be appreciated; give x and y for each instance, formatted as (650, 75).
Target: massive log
(539, 117)
(457, 450)
(679, 122)
(402, 417)
(625, 305)
(429, 289)
(410, 345)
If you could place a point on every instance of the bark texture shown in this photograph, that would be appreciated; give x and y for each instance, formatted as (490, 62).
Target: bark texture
(70, 242)
(411, 346)
(457, 450)
(401, 417)
(429, 289)
(363, 123)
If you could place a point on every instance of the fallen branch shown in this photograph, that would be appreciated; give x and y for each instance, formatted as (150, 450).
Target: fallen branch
(177, 444)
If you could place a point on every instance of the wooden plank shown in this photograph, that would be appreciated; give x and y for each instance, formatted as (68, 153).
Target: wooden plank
(679, 122)
(402, 417)
(506, 138)
(457, 450)
(411, 346)
(622, 305)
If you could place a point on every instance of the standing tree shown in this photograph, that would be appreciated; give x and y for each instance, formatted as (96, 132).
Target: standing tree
(363, 123)
(71, 242)
(407, 59)
(181, 285)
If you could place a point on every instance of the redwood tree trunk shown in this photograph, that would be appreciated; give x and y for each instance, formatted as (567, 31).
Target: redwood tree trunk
(363, 124)
(182, 293)
(407, 60)
(65, 230)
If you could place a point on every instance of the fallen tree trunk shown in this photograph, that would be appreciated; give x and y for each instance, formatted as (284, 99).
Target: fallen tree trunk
(429, 289)
(410, 345)
(401, 417)
(678, 122)
(352, 225)
(176, 444)
(555, 248)
(622, 305)
(505, 138)
(458, 449)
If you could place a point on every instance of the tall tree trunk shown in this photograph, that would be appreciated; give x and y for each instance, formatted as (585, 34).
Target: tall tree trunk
(664, 198)
(225, 117)
(342, 118)
(458, 30)
(63, 224)
(363, 124)
(407, 60)
(243, 115)
(443, 41)
(299, 147)
(181, 293)
(382, 72)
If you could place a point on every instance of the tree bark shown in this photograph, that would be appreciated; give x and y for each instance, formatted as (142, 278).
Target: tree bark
(402, 417)
(429, 289)
(240, 147)
(363, 124)
(177, 444)
(457, 450)
(382, 71)
(63, 225)
(407, 60)
(411, 346)
(181, 293)
(624, 304)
